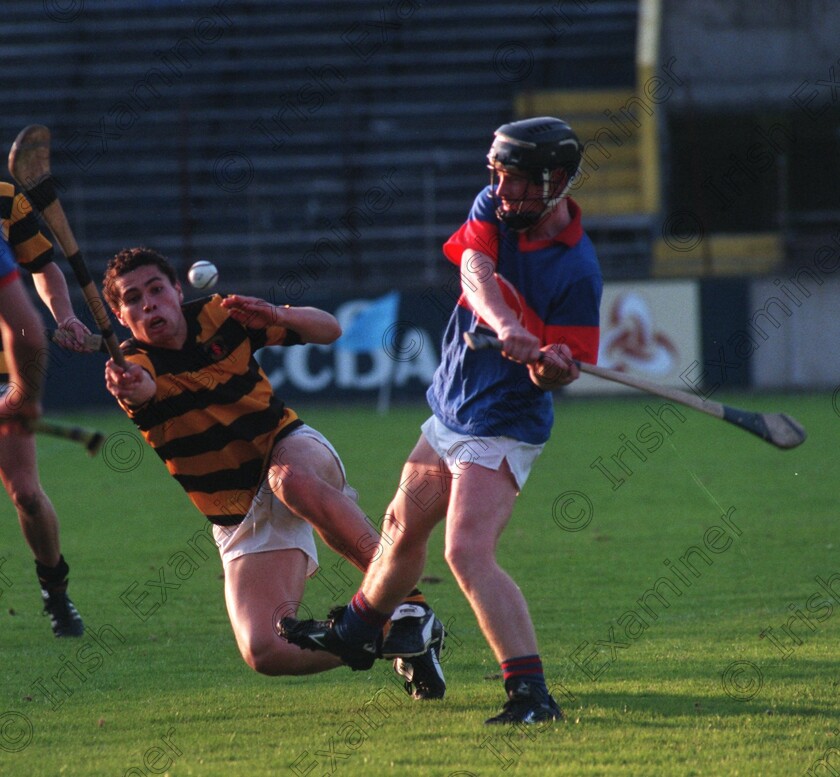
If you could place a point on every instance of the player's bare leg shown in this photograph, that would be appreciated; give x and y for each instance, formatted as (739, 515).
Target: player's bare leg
(306, 477)
(479, 509)
(418, 506)
(36, 514)
(416, 635)
(39, 524)
(257, 587)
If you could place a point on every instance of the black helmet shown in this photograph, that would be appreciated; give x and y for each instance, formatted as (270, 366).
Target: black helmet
(536, 147)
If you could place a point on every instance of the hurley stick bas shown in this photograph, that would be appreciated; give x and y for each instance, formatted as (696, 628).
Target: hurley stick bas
(90, 438)
(29, 164)
(778, 429)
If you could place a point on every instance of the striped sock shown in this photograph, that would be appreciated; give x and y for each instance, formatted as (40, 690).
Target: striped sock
(360, 621)
(528, 669)
(415, 597)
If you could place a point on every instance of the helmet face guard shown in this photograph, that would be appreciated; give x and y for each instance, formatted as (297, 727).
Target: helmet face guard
(535, 148)
(517, 218)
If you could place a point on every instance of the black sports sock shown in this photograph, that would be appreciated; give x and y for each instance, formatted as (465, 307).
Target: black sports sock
(53, 579)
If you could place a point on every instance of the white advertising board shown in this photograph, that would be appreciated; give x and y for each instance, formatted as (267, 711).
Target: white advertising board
(649, 329)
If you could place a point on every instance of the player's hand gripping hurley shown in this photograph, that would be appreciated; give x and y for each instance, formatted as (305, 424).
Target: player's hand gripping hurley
(29, 164)
(778, 429)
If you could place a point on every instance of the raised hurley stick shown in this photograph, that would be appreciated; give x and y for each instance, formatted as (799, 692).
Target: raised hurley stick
(29, 164)
(778, 429)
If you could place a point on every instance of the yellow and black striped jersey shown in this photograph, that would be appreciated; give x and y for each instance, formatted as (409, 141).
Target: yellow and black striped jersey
(20, 228)
(214, 418)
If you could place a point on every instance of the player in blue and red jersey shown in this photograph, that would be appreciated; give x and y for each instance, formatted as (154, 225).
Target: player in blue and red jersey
(535, 286)
(528, 273)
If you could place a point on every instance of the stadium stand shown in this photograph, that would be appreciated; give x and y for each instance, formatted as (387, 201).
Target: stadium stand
(338, 143)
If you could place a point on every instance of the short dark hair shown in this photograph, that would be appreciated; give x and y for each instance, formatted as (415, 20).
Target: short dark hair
(130, 259)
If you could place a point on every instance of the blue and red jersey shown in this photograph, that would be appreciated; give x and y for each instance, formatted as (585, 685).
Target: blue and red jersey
(554, 286)
(8, 265)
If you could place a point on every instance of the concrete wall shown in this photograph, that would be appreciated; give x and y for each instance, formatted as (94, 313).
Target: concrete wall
(739, 53)
(796, 333)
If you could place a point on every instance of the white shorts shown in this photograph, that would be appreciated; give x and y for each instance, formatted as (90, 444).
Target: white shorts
(270, 525)
(459, 451)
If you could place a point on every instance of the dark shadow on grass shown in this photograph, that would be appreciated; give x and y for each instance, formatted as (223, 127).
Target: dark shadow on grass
(781, 686)
(678, 705)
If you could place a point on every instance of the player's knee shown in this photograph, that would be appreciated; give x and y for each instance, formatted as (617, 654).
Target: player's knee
(263, 663)
(390, 524)
(397, 532)
(28, 499)
(256, 661)
(402, 545)
(263, 655)
(465, 558)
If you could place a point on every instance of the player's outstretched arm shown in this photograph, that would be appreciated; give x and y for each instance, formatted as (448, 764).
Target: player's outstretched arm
(312, 324)
(131, 385)
(52, 289)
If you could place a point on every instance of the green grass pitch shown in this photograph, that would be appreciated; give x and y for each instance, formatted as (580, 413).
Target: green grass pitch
(683, 576)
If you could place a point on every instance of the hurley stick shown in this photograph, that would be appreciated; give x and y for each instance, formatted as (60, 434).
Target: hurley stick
(778, 429)
(29, 164)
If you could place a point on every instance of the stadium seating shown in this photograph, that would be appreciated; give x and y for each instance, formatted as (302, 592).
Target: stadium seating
(245, 133)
